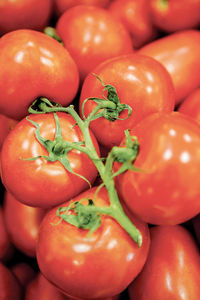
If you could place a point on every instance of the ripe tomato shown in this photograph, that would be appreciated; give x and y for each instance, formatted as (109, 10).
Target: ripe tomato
(5, 242)
(62, 5)
(23, 224)
(190, 106)
(135, 15)
(140, 81)
(24, 273)
(6, 124)
(40, 182)
(29, 14)
(10, 288)
(40, 288)
(167, 190)
(170, 16)
(180, 54)
(92, 35)
(83, 265)
(36, 65)
(196, 225)
(172, 268)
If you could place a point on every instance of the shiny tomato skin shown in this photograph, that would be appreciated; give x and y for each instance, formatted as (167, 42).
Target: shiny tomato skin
(166, 191)
(10, 288)
(92, 35)
(23, 225)
(170, 16)
(62, 5)
(140, 81)
(41, 183)
(172, 268)
(191, 105)
(29, 14)
(180, 54)
(136, 17)
(36, 65)
(108, 254)
(6, 124)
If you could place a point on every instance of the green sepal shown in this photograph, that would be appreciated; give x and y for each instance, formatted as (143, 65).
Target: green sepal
(83, 218)
(58, 148)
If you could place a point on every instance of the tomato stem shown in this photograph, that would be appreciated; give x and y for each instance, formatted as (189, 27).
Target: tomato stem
(126, 155)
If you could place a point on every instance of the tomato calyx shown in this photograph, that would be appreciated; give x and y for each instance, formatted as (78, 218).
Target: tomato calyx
(50, 31)
(90, 212)
(108, 107)
(58, 148)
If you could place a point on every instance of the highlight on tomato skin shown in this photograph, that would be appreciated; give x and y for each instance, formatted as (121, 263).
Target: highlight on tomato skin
(140, 82)
(92, 35)
(36, 66)
(172, 267)
(179, 53)
(45, 183)
(86, 263)
(166, 190)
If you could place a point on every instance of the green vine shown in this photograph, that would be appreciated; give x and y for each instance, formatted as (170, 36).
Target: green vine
(88, 216)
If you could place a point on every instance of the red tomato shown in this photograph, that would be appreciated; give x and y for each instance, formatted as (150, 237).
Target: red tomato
(18, 14)
(23, 272)
(172, 16)
(6, 124)
(140, 81)
(172, 268)
(92, 35)
(62, 5)
(33, 65)
(180, 54)
(40, 288)
(5, 243)
(23, 224)
(135, 15)
(83, 265)
(40, 182)
(191, 105)
(10, 288)
(167, 190)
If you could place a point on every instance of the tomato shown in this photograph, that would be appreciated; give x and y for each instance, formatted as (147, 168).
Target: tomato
(135, 15)
(24, 273)
(39, 182)
(62, 5)
(6, 124)
(40, 288)
(180, 54)
(190, 105)
(36, 65)
(83, 265)
(23, 224)
(5, 243)
(170, 16)
(10, 288)
(29, 14)
(172, 268)
(92, 35)
(167, 190)
(140, 81)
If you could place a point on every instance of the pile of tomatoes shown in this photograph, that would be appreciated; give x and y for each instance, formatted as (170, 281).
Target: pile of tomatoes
(100, 149)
